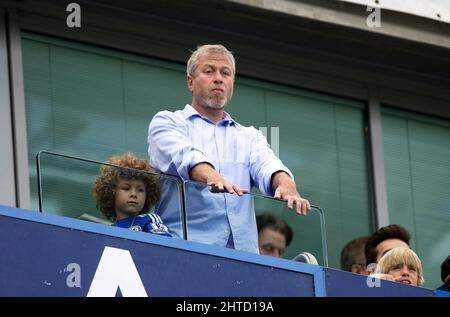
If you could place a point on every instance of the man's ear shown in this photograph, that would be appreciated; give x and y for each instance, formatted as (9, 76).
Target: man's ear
(356, 268)
(190, 83)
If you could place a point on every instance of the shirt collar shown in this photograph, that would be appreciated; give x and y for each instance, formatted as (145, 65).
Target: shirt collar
(190, 112)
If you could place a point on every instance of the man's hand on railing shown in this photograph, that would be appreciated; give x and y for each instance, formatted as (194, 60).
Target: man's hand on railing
(285, 189)
(205, 173)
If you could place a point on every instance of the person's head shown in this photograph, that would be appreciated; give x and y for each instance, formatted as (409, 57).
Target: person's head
(274, 235)
(445, 270)
(210, 76)
(125, 189)
(404, 265)
(352, 256)
(385, 239)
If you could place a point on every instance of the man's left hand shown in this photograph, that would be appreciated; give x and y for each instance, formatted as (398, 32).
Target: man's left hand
(286, 190)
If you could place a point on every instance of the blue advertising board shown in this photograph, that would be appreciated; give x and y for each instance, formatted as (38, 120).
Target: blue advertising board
(48, 255)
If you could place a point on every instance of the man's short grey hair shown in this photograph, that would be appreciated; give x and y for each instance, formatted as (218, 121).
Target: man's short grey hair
(208, 49)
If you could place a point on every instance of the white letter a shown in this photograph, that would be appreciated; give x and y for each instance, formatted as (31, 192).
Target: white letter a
(374, 19)
(116, 269)
(74, 18)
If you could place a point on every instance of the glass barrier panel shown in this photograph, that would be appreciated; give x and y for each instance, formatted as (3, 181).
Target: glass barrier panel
(65, 185)
(212, 217)
(309, 235)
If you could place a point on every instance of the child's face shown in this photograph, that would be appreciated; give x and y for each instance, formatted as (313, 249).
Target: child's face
(130, 197)
(404, 273)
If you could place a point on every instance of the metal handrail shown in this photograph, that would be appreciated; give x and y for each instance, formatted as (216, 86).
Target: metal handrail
(182, 196)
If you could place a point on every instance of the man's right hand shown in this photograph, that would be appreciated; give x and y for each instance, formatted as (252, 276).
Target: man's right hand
(205, 173)
(226, 187)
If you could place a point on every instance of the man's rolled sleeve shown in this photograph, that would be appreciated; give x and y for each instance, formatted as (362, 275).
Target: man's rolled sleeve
(266, 185)
(170, 150)
(189, 160)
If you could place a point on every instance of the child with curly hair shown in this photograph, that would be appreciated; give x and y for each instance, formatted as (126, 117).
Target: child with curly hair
(125, 192)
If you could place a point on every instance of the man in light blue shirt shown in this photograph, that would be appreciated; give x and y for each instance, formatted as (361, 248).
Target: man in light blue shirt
(203, 143)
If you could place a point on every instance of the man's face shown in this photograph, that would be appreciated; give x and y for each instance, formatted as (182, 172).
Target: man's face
(271, 242)
(384, 246)
(212, 85)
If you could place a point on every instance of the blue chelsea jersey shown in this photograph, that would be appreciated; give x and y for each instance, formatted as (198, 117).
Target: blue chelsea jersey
(147, 223)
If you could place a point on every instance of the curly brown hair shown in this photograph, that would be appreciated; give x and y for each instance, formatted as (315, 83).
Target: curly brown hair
(127, 166)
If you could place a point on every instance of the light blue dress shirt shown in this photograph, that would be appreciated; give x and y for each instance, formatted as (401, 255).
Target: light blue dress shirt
(182, 139)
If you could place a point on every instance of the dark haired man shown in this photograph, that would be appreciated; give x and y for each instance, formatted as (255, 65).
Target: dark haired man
(384, 240)
(445, 275)
(274, 235)
(352, 256)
